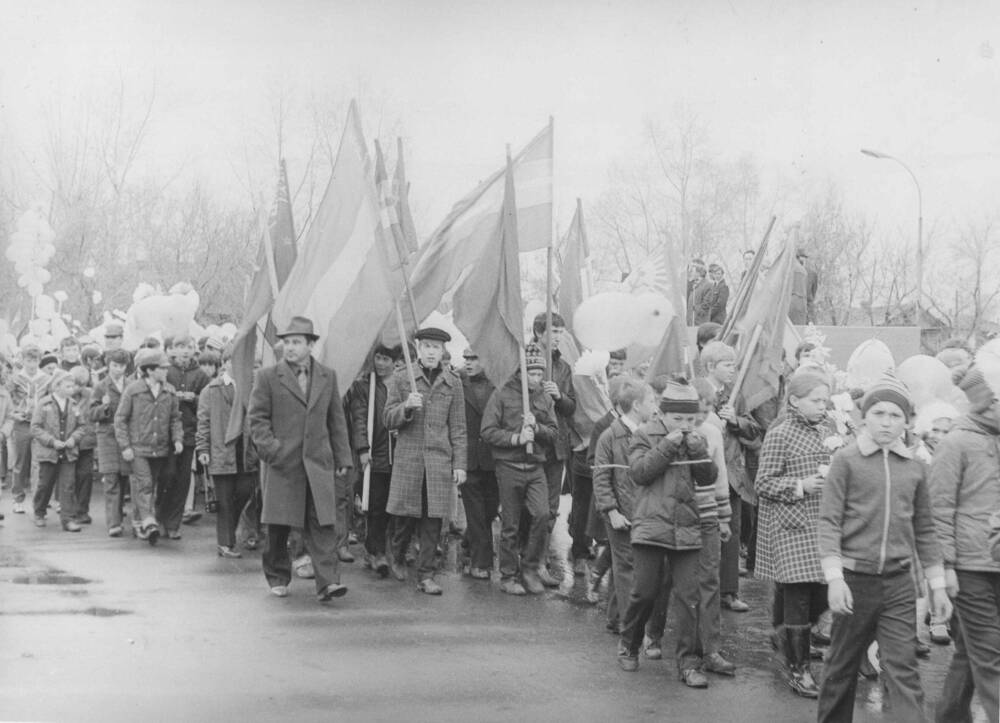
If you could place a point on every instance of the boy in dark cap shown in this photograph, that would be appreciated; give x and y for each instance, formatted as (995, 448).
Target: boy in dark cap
(430, 454)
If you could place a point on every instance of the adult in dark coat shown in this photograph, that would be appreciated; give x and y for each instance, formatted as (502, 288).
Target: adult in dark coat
(720, 294)
(480, 494)
(298, 426)
(431, 454)
(112, 467)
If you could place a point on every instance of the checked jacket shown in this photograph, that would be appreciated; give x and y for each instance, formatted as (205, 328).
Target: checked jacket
(787, 547)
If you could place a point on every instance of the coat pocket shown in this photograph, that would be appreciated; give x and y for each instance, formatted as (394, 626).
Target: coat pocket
(791, 517)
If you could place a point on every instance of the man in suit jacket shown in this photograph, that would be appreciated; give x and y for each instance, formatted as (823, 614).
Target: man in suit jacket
(720, 294)
(298, 426)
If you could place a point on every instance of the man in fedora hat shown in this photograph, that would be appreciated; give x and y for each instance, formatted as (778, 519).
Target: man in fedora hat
(430, 454)
(298, 426)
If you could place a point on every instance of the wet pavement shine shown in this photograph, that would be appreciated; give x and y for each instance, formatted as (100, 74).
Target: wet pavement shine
(102, 629)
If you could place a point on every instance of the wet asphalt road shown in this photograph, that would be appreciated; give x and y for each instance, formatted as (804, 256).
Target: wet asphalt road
(93, 628)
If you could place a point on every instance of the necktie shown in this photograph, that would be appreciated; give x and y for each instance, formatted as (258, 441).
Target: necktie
(303, 377)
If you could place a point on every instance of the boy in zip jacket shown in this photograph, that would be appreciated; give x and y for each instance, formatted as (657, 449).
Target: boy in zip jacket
(875, 513)
(57, 429)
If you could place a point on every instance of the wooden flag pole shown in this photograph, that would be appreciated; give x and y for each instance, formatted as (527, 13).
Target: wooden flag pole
(525, 401)
(548, 314)
(744, 290)
(745, 366)
(366, 485)
(272, 273)
(406, 348)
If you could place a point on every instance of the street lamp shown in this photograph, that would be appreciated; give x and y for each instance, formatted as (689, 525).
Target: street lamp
(920, 224)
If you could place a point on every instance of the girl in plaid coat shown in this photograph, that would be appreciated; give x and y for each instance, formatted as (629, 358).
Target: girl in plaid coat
(789, 483)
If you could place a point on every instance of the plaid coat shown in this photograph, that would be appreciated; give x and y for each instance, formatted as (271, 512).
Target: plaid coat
(431, 444)
(787, 544)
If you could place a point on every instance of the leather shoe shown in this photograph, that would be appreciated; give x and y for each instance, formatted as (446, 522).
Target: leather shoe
(115, 531)
(39, 522)
(228, 552)
(190, 517)
(334, 589)
(628, 663)
(280, 590)
(381, 566)
(732, 602)
(344, 554)
(399, 571)
(651, 648)
(547, 578)
(479, 573)
(715, 663)
(939, 634)
(71, 526)
(531, 582)
(84, 520)
(429, 587)
(512, 587)
(694, 678)
(304, 568)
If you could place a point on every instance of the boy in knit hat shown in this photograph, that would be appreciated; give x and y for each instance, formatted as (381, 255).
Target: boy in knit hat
(668, 460)
(518, 442)
(875, 513)
(57, 427)
(965, 490)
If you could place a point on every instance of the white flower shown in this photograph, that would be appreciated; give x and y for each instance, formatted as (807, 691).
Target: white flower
(833, 442)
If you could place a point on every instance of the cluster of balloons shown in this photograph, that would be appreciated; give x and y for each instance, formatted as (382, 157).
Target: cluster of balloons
(48, 327)
(30, 250)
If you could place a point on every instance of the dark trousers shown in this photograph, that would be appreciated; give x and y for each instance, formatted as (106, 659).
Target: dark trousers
(114, 487)
(344, 494)
(60, 476)
(709, 613)
(583, 490)
(481, 499)
(955, 705)
(320, 541)
(378, 518)
(884, 608)
(84, 482)
(620, 544)
(232, 492)
(977, 648)
(748, 533)
(171, 492)
(554, 470)
(21, 485)
(798, 603)
(647, 583)
(729, 569)
(428, 530)
(523, 490)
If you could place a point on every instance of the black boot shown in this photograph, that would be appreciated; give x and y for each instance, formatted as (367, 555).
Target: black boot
(797, 652)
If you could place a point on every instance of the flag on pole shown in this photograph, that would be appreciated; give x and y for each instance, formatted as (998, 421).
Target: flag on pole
(275, 258)
(572, 260)
(401, 192)
(487, 305)
(389, 210)
(452, 251)
(342, 279)
(673, 354)
(766, 307)
(747, 284)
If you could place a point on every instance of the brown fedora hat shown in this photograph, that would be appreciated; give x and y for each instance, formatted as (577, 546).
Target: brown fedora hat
(299, 326)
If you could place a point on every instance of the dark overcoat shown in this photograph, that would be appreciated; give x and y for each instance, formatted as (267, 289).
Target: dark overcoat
(432, 442)
(109, 454)
(300, 441)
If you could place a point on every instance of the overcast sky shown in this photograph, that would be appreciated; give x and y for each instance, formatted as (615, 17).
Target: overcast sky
(802, 84)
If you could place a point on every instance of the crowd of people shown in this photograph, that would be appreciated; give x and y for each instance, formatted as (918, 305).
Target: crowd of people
(861, 520)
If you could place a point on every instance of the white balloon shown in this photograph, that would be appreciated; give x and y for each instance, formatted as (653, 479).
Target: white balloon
(927, 378)
(34, 288)
(614, 320)
(869, 361)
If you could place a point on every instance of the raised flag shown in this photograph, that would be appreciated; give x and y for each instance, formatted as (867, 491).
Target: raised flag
(487, 305)
(401, 192)
(455, 247)
(275, 258)
(767, 308)
(342, 279)
(572, 265)
(747, 285)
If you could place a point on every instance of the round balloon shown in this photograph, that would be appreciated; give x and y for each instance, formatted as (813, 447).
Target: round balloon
(927, 378)
(869, 361)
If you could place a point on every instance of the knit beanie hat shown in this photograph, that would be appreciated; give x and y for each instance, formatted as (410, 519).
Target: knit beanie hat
(534, 357)
(981, 383)
(888, 389)
(679, 397)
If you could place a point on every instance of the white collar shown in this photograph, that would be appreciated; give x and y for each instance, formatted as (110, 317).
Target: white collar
(629, 423)
(868, 446)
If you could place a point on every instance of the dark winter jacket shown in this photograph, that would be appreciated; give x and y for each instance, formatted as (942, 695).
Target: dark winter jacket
(504, 417)
(48, 426)
(109, 454)
(357, 408)
(215, 403)
(148, 425)
(665, 512)
(188, 379)
(477, 390)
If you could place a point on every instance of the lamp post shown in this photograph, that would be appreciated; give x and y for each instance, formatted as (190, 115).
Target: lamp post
(920, 225)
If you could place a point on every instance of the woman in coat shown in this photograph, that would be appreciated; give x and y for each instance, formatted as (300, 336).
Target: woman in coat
(789, 483)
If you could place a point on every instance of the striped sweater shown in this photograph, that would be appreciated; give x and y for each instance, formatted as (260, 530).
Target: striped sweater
(713, 500)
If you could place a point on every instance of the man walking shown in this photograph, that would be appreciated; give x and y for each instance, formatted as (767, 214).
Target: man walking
(480, 494)
(430, 456)
(298, 426)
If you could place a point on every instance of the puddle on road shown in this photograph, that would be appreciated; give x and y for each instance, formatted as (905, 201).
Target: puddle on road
(97, 612)
(49, 578)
